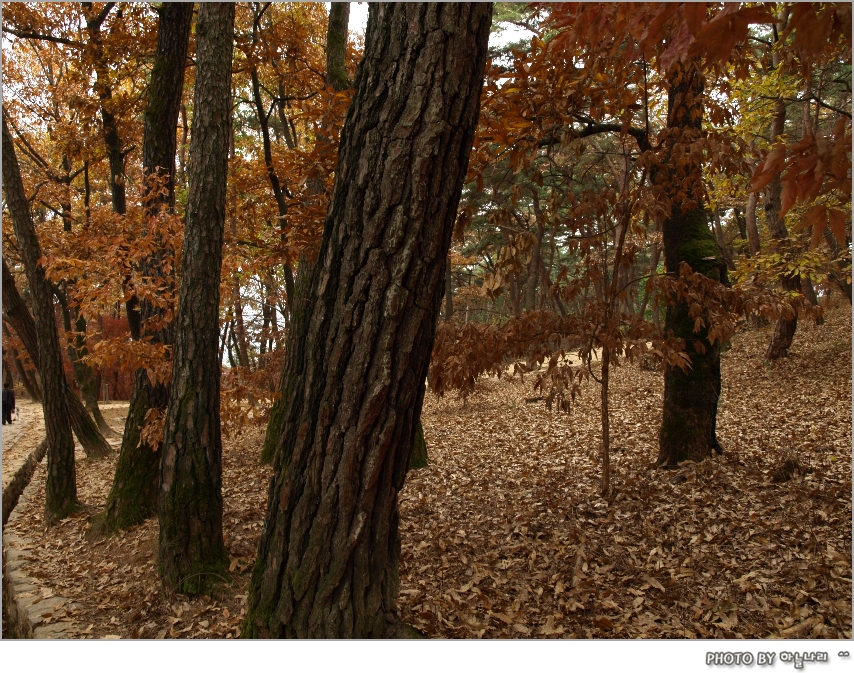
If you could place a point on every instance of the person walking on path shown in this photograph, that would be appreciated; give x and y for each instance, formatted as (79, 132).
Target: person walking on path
(8, 403)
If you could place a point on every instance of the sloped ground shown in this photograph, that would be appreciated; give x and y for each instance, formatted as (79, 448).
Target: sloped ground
(505, 535)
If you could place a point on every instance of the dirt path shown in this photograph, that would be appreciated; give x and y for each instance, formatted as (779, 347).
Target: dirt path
(504, 534)
(22, 437)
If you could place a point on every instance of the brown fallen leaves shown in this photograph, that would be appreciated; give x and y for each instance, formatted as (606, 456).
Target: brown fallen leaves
(504, 535)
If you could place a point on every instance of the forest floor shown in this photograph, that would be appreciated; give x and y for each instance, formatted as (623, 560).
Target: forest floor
(505, 534)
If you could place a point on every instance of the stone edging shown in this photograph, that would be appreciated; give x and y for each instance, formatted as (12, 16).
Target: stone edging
(24, 602)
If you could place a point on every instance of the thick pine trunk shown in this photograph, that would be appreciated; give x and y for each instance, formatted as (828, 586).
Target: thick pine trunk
(192, 551)
(690, 396)
(133, 497)
(363, 328)
(90, 438)
(61, 488)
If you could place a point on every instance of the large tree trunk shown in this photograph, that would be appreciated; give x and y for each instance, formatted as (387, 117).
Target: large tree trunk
(363, 328)
(192, 551)
(90, 438)
(61, 488)
(690, 396)
(133, 497)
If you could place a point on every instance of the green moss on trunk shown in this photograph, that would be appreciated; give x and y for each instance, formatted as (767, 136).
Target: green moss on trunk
(419, 450)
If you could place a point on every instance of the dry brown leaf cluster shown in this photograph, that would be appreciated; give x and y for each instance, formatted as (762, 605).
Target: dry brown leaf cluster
(504, 535)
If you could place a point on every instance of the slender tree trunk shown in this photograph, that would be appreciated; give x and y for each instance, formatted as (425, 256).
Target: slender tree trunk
(606, 422)
(750, 224)
(336, 46)
(362, 330)
(90, 438)
(784, 329)
(690, 396)
(83, 374)
(449, 291)
(61, 488)
(112, 139)
(742, 225)
(7, 374)
(182, 149)
(133, 497)
(719, 235)
(279, 191)
(240, 339)
(536, 257)
(192, 550)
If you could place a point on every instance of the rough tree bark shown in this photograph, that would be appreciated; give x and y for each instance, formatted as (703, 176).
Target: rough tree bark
(690, 397)
(90, 438)
(363, 329)
(61, 488)
(192, 550)
(133, 497)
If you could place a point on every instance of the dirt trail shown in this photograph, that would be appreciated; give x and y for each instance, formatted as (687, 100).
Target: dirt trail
(22, 437)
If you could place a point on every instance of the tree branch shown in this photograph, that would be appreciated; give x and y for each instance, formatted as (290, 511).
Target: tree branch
(29, 35)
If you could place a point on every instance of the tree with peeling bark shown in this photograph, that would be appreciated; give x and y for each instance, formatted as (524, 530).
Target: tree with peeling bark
(61, 489)
(192, 551)
(363, 328)
(133, 497)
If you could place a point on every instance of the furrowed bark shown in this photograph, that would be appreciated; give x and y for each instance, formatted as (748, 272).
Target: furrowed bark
(191, 549)
(363, 328)
(690, 396)
(61, 487)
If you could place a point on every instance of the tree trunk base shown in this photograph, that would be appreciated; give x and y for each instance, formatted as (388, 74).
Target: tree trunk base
(781, 342)
(133, 497)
